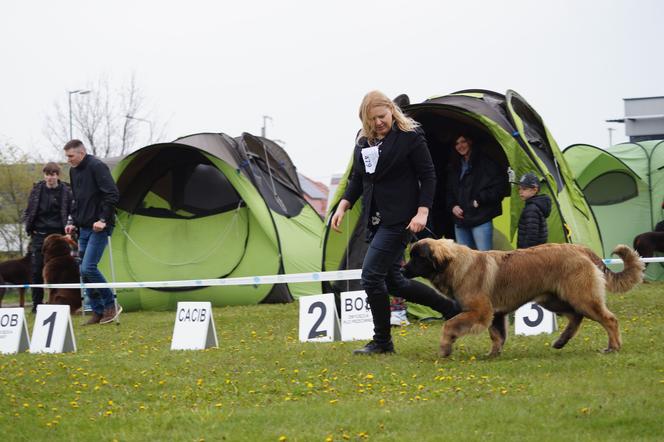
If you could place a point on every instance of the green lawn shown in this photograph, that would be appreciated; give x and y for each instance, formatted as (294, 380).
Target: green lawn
(263, 384)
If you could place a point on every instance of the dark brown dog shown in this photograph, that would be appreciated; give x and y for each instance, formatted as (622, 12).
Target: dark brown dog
(568, 279)
(648, 243)
(15, 271)
(60, 267)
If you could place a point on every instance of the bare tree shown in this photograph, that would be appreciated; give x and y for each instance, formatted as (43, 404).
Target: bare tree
(17, 175)
(108, 120)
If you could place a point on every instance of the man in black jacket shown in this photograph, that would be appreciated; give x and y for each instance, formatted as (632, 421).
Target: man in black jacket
(95, 197)
(49, 206)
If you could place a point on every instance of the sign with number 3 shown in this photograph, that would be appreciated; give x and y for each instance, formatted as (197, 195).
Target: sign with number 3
(533, 319)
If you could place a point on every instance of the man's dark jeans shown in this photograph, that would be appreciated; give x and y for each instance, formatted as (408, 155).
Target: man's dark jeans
(91, 247)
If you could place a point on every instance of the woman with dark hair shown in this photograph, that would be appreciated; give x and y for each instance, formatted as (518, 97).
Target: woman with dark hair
(476, 186)
(393, 172)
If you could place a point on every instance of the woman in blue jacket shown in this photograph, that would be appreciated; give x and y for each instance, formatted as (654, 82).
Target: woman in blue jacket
(393, 173)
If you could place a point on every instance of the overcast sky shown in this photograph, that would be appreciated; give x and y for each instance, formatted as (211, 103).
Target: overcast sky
(220, 66)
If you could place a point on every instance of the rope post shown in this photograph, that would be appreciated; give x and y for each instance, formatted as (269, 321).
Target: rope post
(115, 294)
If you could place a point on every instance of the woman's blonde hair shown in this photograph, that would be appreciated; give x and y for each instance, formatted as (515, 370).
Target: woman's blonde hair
(377, 98)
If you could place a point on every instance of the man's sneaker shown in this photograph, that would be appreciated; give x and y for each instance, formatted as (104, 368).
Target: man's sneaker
(110, 314)
(94, 319)
(374, 347)
(399, 318)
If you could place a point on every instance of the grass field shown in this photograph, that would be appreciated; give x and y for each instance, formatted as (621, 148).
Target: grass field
(262, 384)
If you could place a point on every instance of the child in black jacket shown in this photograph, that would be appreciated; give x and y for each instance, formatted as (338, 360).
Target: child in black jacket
(532, 223)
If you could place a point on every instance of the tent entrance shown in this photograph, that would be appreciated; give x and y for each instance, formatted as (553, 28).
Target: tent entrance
(442, 126)
(172, 181)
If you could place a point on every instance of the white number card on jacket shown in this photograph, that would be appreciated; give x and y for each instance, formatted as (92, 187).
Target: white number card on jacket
(370, 158)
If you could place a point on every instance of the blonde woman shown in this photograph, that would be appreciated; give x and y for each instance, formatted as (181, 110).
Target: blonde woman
(393, 173)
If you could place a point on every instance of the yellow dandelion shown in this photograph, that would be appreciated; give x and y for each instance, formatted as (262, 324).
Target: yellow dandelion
(333, 401)
(282, 438)
(369, 376)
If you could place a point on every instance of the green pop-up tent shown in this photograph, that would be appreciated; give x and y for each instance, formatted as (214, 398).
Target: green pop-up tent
(509, 130)
(210, 206)
(624, 186)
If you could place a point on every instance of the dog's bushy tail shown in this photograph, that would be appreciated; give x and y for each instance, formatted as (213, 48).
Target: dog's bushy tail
(631, 275)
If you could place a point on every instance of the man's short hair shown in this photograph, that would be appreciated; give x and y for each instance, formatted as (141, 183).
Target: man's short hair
(74, 144)
(51, 168)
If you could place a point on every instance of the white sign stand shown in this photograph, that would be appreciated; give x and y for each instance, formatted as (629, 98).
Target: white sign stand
(52, 331)
(13, 331)
(194, 327)
(533, 319)
(356, 318)
(319, 321)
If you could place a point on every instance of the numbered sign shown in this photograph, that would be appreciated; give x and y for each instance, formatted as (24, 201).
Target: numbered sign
(356, 318)
(318, 318)
(533, 319)
(52, 331)
(13, 331)
(194, 327)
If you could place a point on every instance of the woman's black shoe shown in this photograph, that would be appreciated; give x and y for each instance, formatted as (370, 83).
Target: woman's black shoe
(374, 347)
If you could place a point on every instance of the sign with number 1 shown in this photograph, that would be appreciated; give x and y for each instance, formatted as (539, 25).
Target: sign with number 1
(52, 331)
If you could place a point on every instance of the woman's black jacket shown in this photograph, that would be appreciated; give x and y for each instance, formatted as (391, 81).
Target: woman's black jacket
(485, 182)
(404, 180)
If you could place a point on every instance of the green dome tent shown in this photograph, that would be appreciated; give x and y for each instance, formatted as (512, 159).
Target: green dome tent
(624, 186)
(510, 131)
(210, 206)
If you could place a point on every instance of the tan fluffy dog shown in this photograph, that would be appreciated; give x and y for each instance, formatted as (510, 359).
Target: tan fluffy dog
(568, 279)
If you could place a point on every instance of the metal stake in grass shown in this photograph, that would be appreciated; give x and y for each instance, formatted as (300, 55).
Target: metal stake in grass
(115, 294)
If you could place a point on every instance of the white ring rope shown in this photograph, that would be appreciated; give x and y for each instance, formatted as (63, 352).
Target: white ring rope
(336, 275)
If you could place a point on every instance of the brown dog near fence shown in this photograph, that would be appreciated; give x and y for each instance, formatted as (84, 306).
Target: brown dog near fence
(568, 279)
(648, 243)
(60, 267)
(15, 271)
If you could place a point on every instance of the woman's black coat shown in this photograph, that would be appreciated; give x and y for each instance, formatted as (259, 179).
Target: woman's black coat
(485, 182)
(404, 179)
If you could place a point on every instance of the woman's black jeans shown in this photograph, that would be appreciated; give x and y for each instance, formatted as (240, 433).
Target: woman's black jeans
(381, 277)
